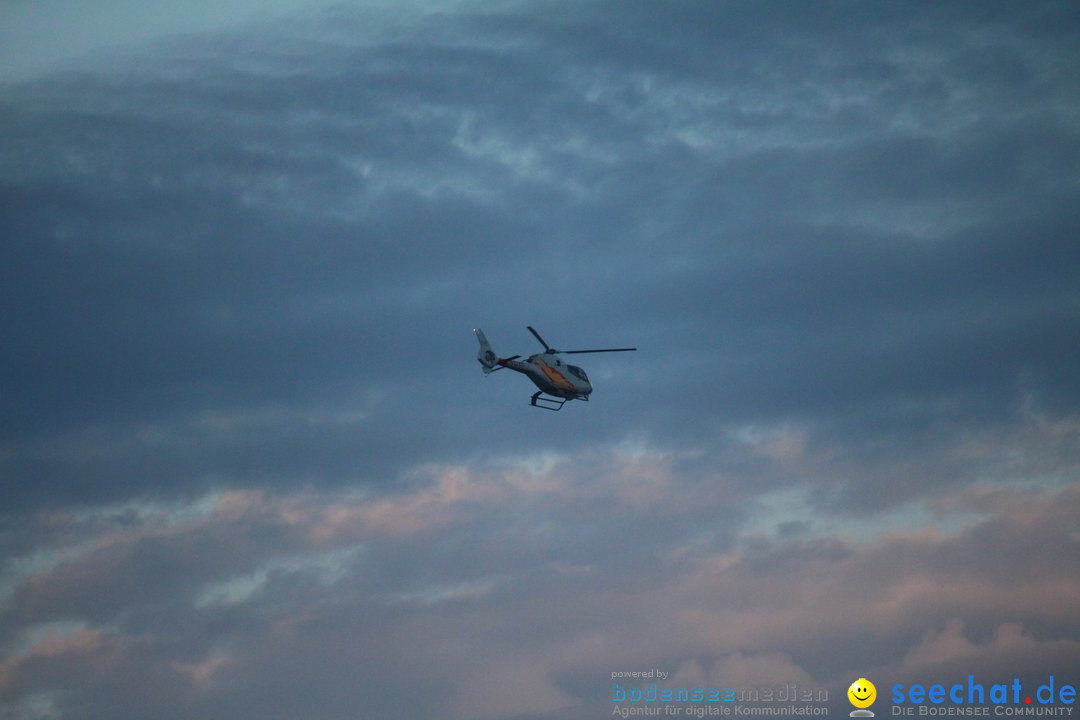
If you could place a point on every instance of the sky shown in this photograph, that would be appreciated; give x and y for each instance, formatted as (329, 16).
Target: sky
(250, 467)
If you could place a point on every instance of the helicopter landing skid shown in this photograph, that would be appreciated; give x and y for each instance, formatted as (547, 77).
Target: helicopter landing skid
(553, 404)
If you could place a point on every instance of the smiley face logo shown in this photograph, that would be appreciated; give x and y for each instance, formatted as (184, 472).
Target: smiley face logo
(862, 693)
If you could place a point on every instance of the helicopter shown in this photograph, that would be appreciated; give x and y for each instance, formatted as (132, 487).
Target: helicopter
(558, 381)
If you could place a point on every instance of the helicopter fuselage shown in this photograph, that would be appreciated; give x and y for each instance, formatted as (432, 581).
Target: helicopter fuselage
(552, 375)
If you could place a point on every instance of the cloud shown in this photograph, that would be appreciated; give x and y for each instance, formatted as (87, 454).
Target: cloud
(1009, 648)
(251, 468)
(499, 613)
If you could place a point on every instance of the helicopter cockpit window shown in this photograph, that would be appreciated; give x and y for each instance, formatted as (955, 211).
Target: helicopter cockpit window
(578, 372)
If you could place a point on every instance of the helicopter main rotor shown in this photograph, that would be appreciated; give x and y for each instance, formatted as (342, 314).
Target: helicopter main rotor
(553, 351)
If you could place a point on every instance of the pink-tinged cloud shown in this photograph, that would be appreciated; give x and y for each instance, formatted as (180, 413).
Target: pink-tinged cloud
(475, 587)
(54, 647)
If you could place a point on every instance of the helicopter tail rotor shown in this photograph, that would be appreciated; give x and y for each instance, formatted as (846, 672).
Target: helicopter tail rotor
(486, 356)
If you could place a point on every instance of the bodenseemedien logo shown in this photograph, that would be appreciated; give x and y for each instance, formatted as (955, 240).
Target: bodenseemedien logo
(701, 701)
(862, 694)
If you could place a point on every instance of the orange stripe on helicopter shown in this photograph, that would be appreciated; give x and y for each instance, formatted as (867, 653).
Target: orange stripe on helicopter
(557, 379)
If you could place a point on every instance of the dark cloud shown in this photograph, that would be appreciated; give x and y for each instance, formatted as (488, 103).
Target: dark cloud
(250, 467)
